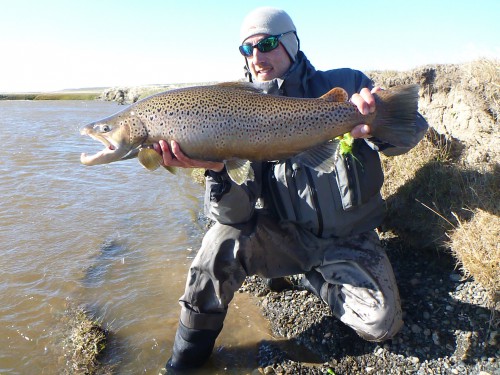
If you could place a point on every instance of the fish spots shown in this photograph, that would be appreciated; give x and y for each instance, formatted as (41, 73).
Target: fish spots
(217, 117)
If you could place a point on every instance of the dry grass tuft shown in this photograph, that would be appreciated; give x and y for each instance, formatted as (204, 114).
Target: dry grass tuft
(434, 148)
(435, 202)
(476, 244)
(483, 77)
(85, 344)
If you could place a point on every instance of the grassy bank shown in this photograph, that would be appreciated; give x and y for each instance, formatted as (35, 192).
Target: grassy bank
(68, 96)
(57, 95)
(445, 192)
(18, 96)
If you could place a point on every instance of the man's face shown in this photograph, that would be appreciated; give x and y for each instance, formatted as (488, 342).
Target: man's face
(266, 66)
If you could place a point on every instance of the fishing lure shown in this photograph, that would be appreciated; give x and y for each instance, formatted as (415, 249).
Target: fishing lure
(346, 143)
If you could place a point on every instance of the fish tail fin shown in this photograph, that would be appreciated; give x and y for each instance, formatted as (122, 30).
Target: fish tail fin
(396, 115)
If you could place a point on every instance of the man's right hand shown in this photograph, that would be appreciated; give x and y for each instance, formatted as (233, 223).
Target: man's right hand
(365, 101)
(174, 157)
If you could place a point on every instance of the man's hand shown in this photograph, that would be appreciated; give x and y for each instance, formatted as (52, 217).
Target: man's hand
(174, 157)
(366, 105)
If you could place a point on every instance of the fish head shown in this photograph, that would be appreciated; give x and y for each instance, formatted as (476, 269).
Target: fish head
(121, 134)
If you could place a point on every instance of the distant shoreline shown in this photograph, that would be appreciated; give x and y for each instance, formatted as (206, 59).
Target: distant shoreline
(120, 94)
(83, 94)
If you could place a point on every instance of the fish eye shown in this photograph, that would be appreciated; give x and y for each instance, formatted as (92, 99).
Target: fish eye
(103, 128)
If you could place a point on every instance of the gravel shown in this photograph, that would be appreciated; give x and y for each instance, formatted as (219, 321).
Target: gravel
(450, 326)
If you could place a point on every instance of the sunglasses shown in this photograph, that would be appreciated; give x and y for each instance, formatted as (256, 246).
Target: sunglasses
(264, 45)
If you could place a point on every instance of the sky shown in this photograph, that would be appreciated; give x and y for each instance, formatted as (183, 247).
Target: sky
(49, 45)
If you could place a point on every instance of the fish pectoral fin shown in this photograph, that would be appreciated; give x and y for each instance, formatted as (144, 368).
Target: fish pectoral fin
(337, 94)
(321, 158)
(239, 170)
(149, 158)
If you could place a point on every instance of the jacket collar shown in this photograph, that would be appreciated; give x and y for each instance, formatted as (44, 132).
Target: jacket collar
(293, 83)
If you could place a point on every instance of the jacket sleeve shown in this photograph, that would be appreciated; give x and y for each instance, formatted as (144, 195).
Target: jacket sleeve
(227, 202)
(389, 150)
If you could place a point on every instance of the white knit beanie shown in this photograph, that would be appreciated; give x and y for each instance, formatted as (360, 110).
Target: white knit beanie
(271, 21)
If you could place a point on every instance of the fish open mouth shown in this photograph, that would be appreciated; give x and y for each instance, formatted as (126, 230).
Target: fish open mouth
(110, 153)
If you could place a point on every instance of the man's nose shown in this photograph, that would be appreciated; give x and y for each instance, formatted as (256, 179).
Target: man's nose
(256, 55)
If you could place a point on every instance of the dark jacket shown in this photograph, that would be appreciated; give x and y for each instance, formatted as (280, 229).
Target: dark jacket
(346, 201)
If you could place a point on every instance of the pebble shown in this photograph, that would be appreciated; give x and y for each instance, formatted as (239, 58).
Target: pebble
(414, 360)
(416, 329)
(268, 370)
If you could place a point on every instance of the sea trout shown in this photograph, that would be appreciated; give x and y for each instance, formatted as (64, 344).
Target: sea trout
(236, 123)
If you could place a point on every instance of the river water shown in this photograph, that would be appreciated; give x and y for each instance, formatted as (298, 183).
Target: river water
(116, 239)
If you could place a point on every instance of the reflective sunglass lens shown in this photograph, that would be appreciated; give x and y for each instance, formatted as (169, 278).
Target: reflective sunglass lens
(268, 44)
(265, 45)
(246, 50)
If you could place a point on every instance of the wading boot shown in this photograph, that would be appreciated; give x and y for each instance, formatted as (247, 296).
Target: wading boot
(313, 282)
(192, 348)
(278, 284)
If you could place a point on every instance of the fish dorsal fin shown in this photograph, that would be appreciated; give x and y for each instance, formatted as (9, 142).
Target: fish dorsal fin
(337, 94)
(321, 158)
(244, 86)
(239, 170)
(151, 160)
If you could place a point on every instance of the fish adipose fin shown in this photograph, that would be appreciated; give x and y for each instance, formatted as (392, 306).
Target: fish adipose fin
(396, 115)
(151, 160)
(239, 170)
(321, 158)
(337, 94)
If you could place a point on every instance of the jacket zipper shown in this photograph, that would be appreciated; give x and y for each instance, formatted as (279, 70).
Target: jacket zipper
(353, 180)
(314, 196)
(292, 189)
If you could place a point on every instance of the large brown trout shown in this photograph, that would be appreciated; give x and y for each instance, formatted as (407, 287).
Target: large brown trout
(236, 123)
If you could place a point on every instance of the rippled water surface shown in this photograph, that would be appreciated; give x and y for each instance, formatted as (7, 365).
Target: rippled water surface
(115, 238)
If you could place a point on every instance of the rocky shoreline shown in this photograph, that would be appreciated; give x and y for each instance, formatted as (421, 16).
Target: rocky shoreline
(449, 327)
